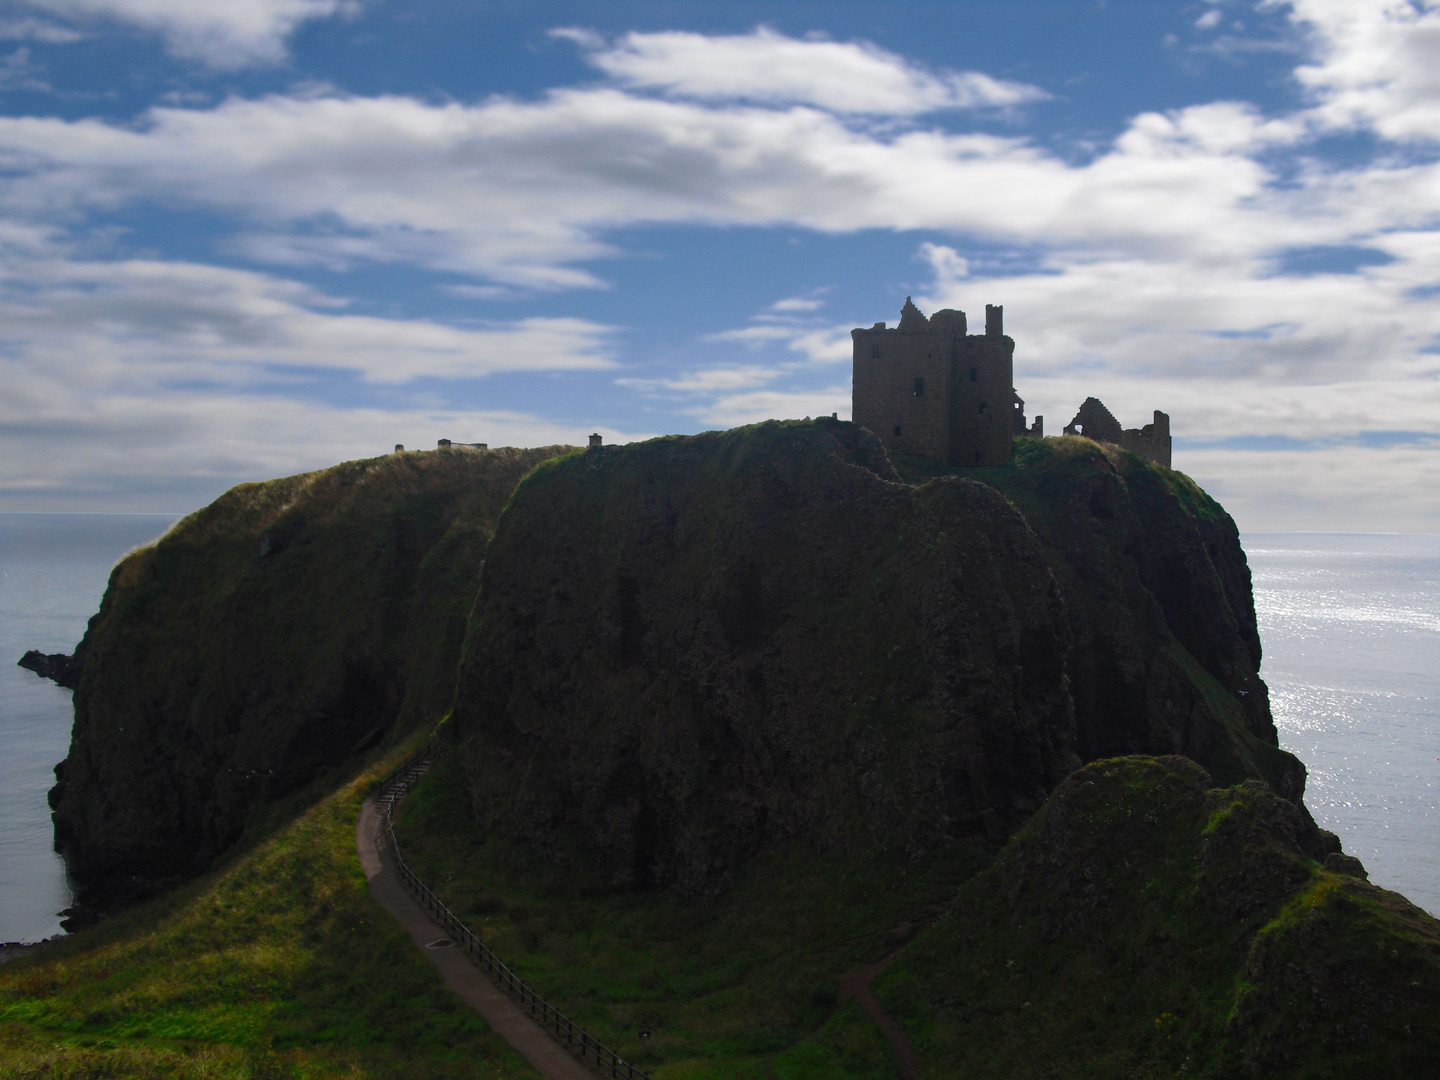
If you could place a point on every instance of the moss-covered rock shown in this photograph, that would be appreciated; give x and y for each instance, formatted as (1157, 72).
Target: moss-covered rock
(689, 649)
(264, 640)
(1148, 924)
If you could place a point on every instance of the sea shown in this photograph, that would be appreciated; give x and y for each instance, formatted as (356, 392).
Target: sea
(1350, 625)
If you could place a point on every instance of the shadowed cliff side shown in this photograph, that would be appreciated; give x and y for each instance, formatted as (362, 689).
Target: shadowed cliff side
(690, 649)
(687, 649)
(1147, 923)
(264, 640)
(1164, 655)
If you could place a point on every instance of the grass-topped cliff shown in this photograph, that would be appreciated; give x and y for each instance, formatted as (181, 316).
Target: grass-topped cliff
(690, 650)
(733, 715)
(264, 643)
(280, 965)
(1144, 923)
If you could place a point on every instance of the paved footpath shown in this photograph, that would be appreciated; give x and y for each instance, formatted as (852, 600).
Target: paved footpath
(474, 987)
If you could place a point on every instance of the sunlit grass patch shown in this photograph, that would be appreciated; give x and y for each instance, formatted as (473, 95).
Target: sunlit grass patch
(278, 965)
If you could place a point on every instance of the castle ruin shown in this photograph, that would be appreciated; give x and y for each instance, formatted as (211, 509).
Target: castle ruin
(1095, 421)
(930, 389)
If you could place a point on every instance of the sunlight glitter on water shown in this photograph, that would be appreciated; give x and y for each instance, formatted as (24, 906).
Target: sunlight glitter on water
(1350, 627)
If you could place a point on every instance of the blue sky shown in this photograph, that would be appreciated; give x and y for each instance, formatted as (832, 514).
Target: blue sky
(241, 240)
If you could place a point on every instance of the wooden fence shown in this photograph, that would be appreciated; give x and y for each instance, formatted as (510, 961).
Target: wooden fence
(574, 1037)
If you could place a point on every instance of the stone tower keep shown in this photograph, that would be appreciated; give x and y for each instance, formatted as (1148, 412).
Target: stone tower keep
(929, 389)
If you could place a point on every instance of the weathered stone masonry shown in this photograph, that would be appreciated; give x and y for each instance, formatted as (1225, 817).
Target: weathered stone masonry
(1095, 421)
(929, 389)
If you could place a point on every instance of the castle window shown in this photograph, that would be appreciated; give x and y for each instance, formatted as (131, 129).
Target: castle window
(919, 387)
(982, 408)
(875, 352)
(897, 431)
(974, 374)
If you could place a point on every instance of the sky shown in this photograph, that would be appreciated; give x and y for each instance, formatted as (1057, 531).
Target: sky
(248, 239)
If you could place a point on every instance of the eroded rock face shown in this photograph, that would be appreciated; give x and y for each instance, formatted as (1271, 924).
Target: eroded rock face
(1164, 652)
(686, 649)
(270, 637)
(1149, 923)
(60, 668)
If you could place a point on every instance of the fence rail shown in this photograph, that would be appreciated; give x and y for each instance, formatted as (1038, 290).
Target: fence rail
(576, 1039)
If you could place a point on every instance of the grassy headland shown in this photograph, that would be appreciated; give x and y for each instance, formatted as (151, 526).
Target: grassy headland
(743, 985)
(278, 965)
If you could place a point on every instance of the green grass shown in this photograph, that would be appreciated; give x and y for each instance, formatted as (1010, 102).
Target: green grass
(741, 985)
(278, 965)
(1145, 926)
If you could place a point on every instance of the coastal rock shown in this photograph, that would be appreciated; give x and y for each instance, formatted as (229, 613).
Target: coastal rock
(1147, 923)
(689, 649)
(686, 649)
(223, 674)
(59, 668)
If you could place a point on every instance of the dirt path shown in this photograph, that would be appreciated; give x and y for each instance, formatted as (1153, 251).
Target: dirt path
(463, 977)
(856, 984)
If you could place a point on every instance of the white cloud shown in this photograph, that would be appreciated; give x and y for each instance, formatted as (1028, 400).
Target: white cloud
(751, 408)
(1340, 489)
(152, 323)
(768, 67)
(179, 449)
(713, 380)
(32, 29)
(1157, 265)
(224, 34)
(1377, 64)
(1210, 19)
(797, 304)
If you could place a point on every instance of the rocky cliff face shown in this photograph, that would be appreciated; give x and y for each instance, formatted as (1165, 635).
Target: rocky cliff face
(689, 649)
(1164, 655)
(274, 635)
(1148, 923)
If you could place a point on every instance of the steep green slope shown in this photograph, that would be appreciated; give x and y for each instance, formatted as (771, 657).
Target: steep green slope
(1164, 652)
(1146, 924)
(743, 984)
(690, 650)
(280, 965)
(264, 641)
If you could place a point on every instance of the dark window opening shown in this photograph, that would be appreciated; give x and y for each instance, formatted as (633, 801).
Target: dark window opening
(977, 457)
(982, 408)
(875, 351)
(897, 431)
(919, 387)
(974, 374)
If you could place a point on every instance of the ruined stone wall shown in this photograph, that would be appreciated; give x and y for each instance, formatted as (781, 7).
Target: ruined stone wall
(1152, 442)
